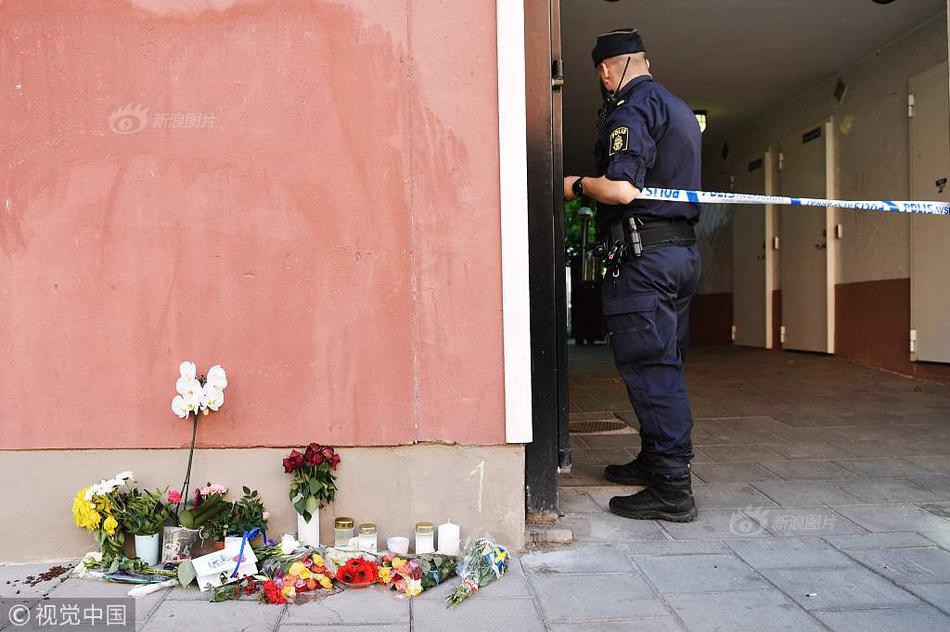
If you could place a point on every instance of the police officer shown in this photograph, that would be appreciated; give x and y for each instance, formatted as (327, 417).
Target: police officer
(648, 138)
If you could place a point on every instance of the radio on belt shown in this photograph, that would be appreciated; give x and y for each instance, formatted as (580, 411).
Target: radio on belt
(636, 246)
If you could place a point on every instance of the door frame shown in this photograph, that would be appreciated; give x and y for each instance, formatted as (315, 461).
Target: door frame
(550, 446)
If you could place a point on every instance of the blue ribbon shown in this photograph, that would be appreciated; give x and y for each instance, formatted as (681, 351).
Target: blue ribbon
(247, 536)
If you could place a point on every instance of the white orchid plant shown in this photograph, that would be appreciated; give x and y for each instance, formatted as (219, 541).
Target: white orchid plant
(197, 395)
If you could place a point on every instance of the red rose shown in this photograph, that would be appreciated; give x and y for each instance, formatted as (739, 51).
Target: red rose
(335, 461)
(328, 453)
(296, 459)
(288, 465)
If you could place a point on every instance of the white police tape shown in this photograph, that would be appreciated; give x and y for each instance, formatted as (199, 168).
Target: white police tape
(713, 197)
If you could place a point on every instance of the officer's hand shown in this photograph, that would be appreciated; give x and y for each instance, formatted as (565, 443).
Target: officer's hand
(568, 184)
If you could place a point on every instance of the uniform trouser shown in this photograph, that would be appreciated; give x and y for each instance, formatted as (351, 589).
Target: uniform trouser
(647, 311)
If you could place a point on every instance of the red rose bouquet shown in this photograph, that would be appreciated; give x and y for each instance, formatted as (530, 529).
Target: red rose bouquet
(314, 483)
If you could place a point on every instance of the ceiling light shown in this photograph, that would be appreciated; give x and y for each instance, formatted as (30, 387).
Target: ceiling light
(701, 116)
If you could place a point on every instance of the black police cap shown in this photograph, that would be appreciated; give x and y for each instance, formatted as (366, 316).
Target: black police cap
(619, 42)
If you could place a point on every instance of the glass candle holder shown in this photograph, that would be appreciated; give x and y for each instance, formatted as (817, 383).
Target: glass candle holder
(342, 532)
(367, 537)
(425, 538)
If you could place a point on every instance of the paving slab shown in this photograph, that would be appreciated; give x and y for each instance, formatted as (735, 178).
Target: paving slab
(651, 624)
(601, 456)
(608, 528)
(878, 541)
(75, 587)
(717, 525)
(570, 598)
(732, 473)
(588, 559)
(14, 576)
(796, 449)
(842, 588)
(938, 595)
(574, 500)
(881, 518)
(790, 553)
(477, 614)
(805, 522)
(188, 616)
(699, 573)
(881, 468)
(753, 611)
(803, 470)
(675, 547)
(922, 619)
(730, 496)
(738, 454)
(363, 606)
(795, 494)
(908, 566)
(888, 491)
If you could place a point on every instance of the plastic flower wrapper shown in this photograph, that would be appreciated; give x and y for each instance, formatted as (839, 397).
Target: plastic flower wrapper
(482, 563)
(411, 576)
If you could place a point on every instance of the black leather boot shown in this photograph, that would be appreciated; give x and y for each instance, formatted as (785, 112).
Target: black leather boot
(635, 472)
(669, 498)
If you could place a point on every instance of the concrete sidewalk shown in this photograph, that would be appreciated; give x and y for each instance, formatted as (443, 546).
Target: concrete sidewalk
(823, 490)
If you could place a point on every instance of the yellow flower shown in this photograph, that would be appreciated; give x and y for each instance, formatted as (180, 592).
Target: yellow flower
(413, 587)
(319, 560)
(297, 568)
(385, 574)
(288, 591)
(84, 512)
(110, 525)
(325, 581)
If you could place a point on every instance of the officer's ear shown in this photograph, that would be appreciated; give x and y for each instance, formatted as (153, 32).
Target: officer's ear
(603, 73)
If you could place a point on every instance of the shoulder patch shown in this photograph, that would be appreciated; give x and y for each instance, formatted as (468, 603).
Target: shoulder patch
(619, 140)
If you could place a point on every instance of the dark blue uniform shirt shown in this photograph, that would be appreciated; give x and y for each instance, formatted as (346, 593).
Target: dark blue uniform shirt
(651, 139)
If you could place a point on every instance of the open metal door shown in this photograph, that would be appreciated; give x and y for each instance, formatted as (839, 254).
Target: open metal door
(550, 448)
(752, 256)
(808, 245)
(929, 110)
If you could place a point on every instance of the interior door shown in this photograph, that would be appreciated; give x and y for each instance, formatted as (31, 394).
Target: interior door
(752, 256)
(808, 248)
(930, 236)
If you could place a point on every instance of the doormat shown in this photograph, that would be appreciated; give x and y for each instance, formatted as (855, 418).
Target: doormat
(596, 425)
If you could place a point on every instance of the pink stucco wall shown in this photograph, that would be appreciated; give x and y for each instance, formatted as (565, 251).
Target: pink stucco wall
(330, 236)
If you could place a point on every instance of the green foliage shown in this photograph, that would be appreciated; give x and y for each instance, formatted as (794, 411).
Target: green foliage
(247, 513)
(572, 224)
(142, 512)
(313, 486)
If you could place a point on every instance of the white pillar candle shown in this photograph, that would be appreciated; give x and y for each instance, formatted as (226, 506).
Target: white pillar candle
(449, 538)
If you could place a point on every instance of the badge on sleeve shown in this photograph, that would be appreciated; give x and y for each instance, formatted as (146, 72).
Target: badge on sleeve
(619, 140)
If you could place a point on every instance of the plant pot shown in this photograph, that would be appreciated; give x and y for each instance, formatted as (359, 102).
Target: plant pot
(146, 548)
(308, 532)
(178, 543)
(218, 545)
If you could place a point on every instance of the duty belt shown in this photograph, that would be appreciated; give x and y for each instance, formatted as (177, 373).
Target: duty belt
(632, 235)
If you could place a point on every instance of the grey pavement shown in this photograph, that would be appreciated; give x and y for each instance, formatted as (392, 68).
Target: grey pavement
(824, 495)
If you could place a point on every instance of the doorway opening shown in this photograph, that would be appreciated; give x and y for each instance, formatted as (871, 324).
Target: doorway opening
(796, 110)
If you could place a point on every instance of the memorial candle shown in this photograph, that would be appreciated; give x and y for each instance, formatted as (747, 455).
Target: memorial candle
(449, 538)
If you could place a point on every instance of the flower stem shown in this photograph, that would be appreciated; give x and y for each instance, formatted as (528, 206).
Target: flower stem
(191, 454)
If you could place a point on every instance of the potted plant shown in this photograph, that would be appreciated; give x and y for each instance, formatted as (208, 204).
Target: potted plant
(313, 487)
(143, 514)
(209, 512)
(197, 395)
(247, 513)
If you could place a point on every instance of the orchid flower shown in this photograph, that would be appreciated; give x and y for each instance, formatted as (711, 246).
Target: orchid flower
(217, 378)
